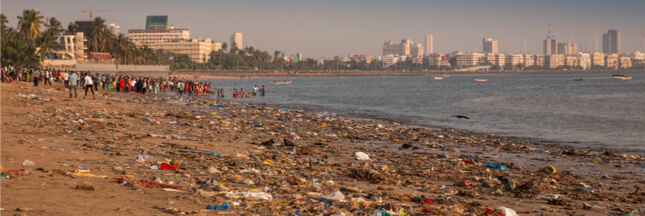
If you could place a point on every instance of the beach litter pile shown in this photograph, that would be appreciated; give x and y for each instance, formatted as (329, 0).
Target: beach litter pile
(192, 156)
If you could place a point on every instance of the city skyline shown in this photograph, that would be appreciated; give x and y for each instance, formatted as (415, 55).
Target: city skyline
(330, 28)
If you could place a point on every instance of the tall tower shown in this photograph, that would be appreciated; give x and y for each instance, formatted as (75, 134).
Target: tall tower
(236, 40)
(611, 42)
(550, 44)
(489, 45)
(429, 48)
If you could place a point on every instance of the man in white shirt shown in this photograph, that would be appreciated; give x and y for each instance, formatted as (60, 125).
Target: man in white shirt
(66, 79)
(89, 84)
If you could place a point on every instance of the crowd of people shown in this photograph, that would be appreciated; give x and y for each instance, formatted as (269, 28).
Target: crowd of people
(242, 94)
(91, 82)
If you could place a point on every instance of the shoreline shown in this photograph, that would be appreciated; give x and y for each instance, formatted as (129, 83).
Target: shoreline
(204, 75)
(190, 129)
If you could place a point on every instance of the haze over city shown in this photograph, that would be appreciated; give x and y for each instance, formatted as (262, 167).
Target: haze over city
(330, 28)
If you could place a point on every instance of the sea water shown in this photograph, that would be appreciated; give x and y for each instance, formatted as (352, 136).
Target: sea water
(598, 111)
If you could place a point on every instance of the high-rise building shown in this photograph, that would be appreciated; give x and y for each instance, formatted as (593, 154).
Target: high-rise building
(157, 22)
(567, 48)
(611, 42)
(550, 46)
(405, 48)
(84, 26)
(429, 45)
(157, 30)
(114, 29)
(237, 41)
(489, 45)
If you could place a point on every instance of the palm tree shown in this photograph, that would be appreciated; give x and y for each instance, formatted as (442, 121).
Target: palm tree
(29, 24)
(224, 46)
(99, 39)
(47, 43)
(147, 54)
(4, 21)
(55, 26)
(72, 27)
(122, 50)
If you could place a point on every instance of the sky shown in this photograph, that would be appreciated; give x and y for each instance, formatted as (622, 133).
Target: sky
(341, 27)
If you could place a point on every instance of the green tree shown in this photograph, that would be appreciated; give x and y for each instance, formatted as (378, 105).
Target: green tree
(55, 26)
(47, 42)
(224, 46)
(29, 24)
(99, 38)
(72, 27)
(4, 21)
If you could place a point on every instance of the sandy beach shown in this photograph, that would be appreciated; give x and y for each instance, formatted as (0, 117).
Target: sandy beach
(132, 154)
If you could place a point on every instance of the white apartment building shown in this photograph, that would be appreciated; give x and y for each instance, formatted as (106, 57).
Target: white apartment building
(500, 60)
(389, 60)
(529, 60)
(198, 50)
(146, 37)
(611, 61)
(597, 59)
(237, 40)
(405, 48)
(73, 46)
(624, 61)
(514, 59)
(114, 29)
(638, 58)
(554, 60)
(583, 60)
(469, 59)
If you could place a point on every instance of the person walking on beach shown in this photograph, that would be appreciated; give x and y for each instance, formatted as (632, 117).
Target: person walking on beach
(46, 78)
(73, 83)
(89, 84)
(66, 79)
(36, 75)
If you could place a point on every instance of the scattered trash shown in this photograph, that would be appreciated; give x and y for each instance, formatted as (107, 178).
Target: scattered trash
(497, 166)
(85, 187)
(27, 163)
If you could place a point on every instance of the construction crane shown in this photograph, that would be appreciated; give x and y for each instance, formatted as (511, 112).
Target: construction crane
(91, 11)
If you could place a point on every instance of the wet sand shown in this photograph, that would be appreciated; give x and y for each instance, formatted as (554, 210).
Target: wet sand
(81, 143)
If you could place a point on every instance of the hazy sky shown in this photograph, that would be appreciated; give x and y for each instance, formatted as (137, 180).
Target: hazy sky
(327, 28)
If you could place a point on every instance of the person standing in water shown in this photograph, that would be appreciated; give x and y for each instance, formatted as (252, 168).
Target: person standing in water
(262, 91)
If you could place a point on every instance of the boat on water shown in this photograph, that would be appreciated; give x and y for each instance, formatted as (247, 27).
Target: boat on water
(577, 79)
(626, 78)
(281, 83)
(618, 76)
(481, 80)
(438, 78)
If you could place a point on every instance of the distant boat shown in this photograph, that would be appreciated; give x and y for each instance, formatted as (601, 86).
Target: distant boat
(577, 79)
(438, 78)
(618, 76)
(626, 78)
(281, 83)
(481, 80)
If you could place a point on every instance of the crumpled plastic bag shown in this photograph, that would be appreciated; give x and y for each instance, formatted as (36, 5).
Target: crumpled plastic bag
(335, 196)
(362, 156)
(506, 211)
(250, 195)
